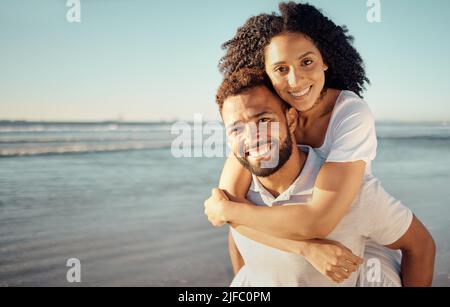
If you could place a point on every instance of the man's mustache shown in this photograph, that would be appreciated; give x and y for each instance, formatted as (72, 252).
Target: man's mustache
(245, 149)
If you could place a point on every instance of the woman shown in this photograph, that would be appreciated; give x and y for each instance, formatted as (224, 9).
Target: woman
(314, 68)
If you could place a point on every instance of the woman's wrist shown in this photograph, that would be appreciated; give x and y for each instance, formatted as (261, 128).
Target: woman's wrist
(234, 212)
(229, 211)
(302, 248)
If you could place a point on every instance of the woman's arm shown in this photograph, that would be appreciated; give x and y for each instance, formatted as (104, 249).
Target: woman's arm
(330, 258)
(235, 179)
(336, 187)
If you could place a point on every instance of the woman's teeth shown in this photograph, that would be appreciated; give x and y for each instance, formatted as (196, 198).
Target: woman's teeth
(301, 93)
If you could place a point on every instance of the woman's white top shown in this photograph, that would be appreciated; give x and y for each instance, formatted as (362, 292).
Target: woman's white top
(351, 134)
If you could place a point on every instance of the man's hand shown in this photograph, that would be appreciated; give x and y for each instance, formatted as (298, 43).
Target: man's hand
(214, 207)
(331, 259)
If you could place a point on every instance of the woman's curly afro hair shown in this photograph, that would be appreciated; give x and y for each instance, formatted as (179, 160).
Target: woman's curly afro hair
(345, 65)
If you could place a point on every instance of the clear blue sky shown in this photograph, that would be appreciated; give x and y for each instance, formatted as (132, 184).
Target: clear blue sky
(152, 60)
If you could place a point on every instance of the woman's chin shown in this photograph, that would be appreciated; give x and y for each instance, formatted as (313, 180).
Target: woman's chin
(302, 103)
(301, 106)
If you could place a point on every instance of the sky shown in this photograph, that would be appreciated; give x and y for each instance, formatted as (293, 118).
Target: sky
(137, 60)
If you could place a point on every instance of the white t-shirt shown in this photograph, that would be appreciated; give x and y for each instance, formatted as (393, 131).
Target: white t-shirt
(374, 214)
(351, 134)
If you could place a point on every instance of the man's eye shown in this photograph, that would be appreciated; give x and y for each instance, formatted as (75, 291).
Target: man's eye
(235, 131)
(264, 120)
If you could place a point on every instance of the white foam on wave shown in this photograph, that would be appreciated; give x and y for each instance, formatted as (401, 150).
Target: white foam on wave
(78, 148)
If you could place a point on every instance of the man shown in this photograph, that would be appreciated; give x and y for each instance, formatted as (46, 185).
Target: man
(249, 100)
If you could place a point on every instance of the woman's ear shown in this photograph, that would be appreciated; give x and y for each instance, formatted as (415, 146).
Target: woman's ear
(292, 119)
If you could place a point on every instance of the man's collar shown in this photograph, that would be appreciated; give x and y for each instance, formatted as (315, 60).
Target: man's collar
(303, 185)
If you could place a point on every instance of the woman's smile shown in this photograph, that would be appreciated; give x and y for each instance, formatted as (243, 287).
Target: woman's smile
(300, 94)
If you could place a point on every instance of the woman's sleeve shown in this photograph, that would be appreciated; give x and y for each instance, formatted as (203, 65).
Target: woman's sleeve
(353, 135)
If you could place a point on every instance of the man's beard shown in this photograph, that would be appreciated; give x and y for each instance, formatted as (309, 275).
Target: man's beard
(285, 152)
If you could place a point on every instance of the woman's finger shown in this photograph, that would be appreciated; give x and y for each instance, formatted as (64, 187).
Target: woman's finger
(337, 277)
(352, 257)
(348, 265)
(345, 273)
(340, 273)
(333, 277)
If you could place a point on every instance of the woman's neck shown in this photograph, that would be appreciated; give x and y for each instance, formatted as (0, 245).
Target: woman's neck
(324, 106)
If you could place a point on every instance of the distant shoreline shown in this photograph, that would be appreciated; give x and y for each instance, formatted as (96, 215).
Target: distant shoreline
(106, 122)
(169, 122)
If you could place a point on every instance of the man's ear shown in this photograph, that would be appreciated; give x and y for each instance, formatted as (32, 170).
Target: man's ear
(292, 119)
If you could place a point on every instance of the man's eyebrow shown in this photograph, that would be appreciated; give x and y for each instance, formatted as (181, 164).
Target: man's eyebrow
(299, 58)
(252, 117)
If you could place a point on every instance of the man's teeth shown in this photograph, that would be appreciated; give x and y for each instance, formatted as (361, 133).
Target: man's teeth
(259, 151)
(302, 93)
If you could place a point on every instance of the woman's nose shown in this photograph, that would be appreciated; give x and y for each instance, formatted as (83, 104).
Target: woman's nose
(293, 78)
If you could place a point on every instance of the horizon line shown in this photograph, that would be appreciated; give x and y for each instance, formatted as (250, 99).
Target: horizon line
(165, 121)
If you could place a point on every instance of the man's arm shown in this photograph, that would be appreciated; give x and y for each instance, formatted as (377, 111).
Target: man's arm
(237, 262)
(419, 251)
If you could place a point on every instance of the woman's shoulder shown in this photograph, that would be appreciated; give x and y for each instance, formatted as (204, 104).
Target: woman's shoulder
(351, 135)
(351, 107)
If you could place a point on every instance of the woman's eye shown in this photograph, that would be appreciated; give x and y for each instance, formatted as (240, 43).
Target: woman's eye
(281, 70)
(307, 62)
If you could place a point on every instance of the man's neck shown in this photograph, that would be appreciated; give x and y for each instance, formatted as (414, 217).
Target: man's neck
(280, 181)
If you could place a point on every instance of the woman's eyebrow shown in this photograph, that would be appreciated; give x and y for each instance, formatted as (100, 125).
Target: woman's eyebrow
(306, 54)
(299, 58)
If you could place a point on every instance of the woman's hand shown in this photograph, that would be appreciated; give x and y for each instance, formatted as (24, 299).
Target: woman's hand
(215, 208)
(332, 259)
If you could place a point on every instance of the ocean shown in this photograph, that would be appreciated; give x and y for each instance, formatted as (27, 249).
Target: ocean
(113, 196)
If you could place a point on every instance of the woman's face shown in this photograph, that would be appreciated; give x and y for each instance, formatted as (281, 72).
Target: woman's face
(296, 68)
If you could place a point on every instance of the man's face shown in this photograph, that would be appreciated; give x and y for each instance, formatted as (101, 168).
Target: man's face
(257, 130)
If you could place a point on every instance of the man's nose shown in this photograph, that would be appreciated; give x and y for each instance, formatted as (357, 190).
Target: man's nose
(251, 133)
(256, 133)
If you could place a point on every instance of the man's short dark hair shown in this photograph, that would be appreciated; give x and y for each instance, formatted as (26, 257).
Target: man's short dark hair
(242, 81)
